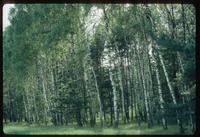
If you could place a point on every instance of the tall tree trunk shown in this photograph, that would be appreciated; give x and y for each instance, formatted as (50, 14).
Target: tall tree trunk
(84, 102)
(114, 98)
(130, 85)
(99, 99)
(122, 90)
(161, 100)
(150, 81)
(26, 110)
(28, 105)
(170, 88)
(35, 106)
(167, 78)
(45, 104)
(144, 89)
(92, 110)
(135, 79)
(127, 104)
(111, 107)
(44, 94)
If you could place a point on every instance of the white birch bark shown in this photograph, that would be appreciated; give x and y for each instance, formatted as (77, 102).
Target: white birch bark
(169, 85)
(122, 91)
(99, 99)
(115, 97)
(25, 107)
(110, 71)
(144, 88)
(161, 100)
(167, 78)
(35, 106)
(46, 107)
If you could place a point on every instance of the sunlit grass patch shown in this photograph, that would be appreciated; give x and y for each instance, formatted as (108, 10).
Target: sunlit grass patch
(129, 129)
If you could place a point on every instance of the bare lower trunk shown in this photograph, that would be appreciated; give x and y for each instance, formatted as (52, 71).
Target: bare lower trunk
(122, 91)
(161, 100)
(92, 96)
(35, 106)
(25, 107)
(46, 107)
(115, 98)
(169, 85)
(99, 99)
(144, 89)
(167, 78)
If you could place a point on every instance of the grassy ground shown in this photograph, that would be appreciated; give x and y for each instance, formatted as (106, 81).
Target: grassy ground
(133, 129)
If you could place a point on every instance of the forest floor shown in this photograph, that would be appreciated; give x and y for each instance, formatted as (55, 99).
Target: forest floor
(130, 129)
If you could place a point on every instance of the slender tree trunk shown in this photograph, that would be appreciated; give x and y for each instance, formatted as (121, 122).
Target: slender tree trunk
(127, 104)
(161, 100)
(28, 106)
(53, 92)
(99, 99)
(44, 95)
(25, 107)
(111, 107)
(167, 78)
(170, 88)
(138, 87)
(131, 89)
(92, 97)
(114, 98)
(45, 99)
(35, 106)
(84, 102)
(135, 81)
(122, 91)
(144, 89)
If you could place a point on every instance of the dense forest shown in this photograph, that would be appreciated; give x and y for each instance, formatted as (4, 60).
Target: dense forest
(100, 65)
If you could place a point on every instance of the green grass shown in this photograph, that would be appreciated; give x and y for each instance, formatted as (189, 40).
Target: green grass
(128, 129)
